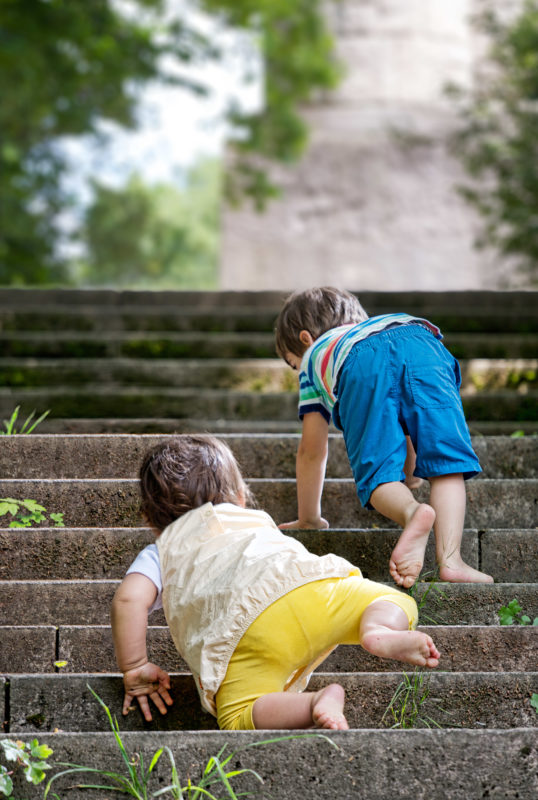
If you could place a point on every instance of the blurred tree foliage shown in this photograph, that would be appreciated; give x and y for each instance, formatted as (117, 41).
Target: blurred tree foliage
(158, 236)
(498, 142)
(65, 65)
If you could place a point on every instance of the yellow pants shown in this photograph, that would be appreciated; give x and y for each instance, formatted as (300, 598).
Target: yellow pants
(291, 634)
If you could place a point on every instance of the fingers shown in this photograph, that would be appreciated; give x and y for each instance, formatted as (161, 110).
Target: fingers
(144, 707)
(158, 697)
(127, 700)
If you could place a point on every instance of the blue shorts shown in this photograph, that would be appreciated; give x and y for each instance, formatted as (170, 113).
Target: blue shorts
(397, 382)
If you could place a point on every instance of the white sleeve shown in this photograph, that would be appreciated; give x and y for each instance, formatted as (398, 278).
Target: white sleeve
(147, 563)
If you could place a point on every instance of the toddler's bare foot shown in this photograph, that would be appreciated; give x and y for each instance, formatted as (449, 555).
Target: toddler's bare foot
(463, 573)
(328, 708)
(413, 647)
(408, 556)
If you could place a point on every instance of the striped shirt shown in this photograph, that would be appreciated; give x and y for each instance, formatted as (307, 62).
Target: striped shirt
(322, 361)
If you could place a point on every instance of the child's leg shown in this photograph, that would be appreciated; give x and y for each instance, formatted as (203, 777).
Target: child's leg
(395, 501)
(384, 631)
(448, 498)
(323, 709)
(411, 481)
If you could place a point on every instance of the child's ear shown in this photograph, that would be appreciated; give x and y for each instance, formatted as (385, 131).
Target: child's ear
(306, 338)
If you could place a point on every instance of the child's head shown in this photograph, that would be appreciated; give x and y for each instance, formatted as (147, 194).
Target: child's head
(185, 472)
(315, 311)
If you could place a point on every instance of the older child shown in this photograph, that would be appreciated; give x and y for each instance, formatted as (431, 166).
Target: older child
(382, 379)
(251, 611)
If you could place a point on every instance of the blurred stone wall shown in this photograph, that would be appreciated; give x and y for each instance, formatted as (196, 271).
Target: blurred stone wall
(373, 205)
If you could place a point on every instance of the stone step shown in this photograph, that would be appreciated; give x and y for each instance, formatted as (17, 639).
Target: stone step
(250, 375)
(87, 602)
(491, 503)
(89, 648)
(95, 400)
(43, 703)
(465, 763)
(166, 425)
(270, 455)
(64, 345)
(376, 302)
(476, 310)
(508, 555)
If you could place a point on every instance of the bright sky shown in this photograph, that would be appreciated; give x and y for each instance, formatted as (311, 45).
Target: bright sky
(176, 127)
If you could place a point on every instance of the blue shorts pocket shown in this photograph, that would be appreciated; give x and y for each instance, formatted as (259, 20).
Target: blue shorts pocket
(434, 386)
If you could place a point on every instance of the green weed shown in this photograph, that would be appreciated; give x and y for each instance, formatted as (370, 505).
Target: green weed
(534, 701)
(30, 756)
(135, 781)
(512, 614)
(433, 594)
(26, 513)
(406, 707)
(27, 426)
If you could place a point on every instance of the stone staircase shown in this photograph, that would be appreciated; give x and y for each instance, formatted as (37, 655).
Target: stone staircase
(56, 583)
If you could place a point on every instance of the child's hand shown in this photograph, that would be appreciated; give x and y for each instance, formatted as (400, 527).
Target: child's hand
(149, 679)
(308, 525)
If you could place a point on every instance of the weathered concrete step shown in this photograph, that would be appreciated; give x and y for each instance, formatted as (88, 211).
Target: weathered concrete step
(465, 763)
(81, 602)
(159, 345)
(376, 302)
(43, 703)
(508, 555)
(64, 345)
(89, 648)
(491, 503)
(164, 425)
(249, 375)
(252, 375)
(269, 455)
(479, 307)
(133, 401)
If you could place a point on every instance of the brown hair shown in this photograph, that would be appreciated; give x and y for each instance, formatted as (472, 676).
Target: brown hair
(184, 472)
(316, 311)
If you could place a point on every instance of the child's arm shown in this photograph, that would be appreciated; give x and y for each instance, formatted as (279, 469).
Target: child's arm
(141, 678)
(310, 466)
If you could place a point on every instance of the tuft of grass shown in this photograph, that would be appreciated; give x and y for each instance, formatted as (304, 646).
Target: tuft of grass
(27, 426)
(216, 775)
(433, 593)
(406, 707)
(512, 614)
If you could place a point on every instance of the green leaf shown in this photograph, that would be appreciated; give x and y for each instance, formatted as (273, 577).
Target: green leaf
(35, 771)
(32, 505)
(8, 507)
(534, 701)
(58, 519)
(40, 750)
(12, 750)
(6, 784)
(155, 758)
(505, 617)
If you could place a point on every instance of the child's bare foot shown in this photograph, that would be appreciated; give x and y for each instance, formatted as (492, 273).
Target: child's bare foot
(463, 573)
(408, 556)
(328, 708)
(413, 647)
